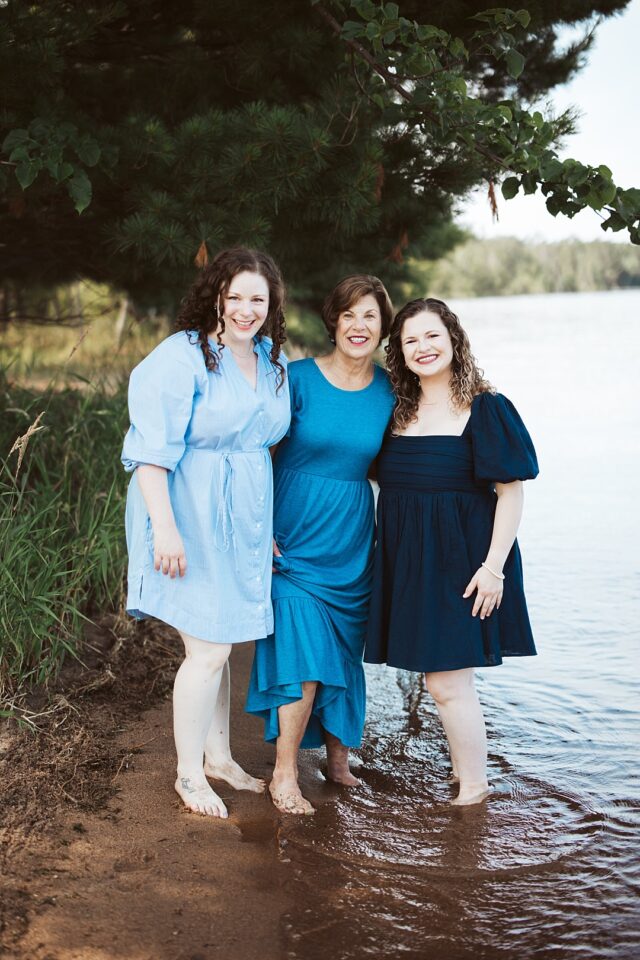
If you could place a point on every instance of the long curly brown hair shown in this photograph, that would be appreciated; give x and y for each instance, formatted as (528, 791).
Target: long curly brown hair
(201, 312)
(467, 379)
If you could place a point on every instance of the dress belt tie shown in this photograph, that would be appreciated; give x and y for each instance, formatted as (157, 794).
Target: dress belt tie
(224, 533)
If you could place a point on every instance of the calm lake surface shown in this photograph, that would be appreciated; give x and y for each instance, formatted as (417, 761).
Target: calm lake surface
(548, 867)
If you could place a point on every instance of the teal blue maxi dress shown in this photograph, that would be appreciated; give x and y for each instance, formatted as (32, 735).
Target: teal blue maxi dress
(324, 528)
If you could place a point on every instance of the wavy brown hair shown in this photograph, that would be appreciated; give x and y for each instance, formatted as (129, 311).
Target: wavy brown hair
(347, 293)
(201, 312)
(467, 379)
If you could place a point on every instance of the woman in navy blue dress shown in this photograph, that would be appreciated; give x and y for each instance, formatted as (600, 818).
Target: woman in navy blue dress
(448, 591)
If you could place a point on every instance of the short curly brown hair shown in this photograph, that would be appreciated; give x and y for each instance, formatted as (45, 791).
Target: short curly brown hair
(200, 310)
(348, 292)
(467, 379)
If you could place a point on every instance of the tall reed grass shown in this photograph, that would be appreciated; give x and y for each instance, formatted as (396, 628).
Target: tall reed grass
(62, 550)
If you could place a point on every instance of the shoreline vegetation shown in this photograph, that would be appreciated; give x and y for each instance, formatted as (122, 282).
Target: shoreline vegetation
(510, 267)
(63, 414)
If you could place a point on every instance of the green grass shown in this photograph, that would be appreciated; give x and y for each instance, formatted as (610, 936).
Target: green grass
(62, 549)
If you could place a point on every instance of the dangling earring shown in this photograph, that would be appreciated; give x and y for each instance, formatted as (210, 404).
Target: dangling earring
(332, 340)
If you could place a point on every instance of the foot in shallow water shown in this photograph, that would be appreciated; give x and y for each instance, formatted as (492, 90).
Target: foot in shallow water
(287, 798)
(233, 774)
(340, 773)
(197, 795)
(472, 793)
(338, 763)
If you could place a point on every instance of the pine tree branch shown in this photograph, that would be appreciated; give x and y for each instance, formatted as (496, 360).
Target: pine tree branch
(396, 85)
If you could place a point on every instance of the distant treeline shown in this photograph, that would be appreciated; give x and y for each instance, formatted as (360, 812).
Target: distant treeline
(507, 266)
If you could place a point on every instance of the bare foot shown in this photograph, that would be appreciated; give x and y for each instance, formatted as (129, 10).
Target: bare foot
(287, 798)
(340, 773)
(474, 793)
(199, 797)
(233, 774)
(338, 762)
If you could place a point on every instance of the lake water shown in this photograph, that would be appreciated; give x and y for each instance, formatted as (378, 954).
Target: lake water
(548, 867)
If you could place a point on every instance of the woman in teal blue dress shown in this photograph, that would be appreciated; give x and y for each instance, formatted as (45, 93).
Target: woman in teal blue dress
(448, 591)
(307, 681)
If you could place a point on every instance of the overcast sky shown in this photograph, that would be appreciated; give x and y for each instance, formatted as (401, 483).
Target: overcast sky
(607, 94)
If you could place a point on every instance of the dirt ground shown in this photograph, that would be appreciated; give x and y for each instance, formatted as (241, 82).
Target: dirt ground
(99, 859)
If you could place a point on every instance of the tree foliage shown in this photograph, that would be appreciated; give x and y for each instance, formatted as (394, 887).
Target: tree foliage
(338, 135)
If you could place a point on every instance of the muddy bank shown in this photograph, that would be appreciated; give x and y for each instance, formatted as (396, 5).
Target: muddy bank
(99, 859)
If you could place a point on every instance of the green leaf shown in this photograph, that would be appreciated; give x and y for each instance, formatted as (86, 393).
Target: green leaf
(79, 187)
(88, 151)
(510, 187)
(457, 48)
(523, 17)
(608, 193)
(605, 172)
(515, 62)
(614, 222)
(391, 11)
(15, 138)
(27, 171)
(20, 153)
(551, 168)
(65, 170)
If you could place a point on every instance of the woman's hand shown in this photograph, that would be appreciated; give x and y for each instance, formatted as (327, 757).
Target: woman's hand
(276, 553)
(489, 593)
(168, 551)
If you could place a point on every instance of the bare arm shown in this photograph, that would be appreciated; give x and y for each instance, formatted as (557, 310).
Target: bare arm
(505, 527)
(168, 549)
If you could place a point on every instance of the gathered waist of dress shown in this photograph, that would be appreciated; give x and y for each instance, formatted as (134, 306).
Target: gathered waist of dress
(223, 452)
(279, 471)
(434, 485)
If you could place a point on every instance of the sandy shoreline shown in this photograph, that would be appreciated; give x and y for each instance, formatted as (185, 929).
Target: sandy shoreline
(143, 879)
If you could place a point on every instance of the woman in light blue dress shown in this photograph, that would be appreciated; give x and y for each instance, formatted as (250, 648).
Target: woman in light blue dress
(205, 407)
(307, 681)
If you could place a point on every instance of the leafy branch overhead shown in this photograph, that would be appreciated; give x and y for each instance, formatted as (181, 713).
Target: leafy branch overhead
(338, 134)
(418, 77)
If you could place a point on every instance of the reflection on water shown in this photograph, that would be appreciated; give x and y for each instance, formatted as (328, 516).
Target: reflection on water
(547, 867)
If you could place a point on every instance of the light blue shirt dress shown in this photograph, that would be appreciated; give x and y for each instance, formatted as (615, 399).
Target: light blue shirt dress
(211, 431)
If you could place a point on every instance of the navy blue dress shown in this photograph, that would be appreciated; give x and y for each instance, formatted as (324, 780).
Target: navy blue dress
(435, 520)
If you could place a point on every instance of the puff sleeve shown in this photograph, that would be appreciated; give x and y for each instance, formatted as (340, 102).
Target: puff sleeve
(161, 394)
(502, 448)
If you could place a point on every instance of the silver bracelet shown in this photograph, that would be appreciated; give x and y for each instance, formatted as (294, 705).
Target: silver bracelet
(500, 576)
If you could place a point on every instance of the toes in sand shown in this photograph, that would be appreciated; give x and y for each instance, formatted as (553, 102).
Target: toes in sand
(200, 798)
(233, 774)
(288, 799)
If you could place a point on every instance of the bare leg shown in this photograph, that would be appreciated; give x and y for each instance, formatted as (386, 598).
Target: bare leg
(293, 718)
(218, 762)
(457, 701)
(338, 762)
(195, 692)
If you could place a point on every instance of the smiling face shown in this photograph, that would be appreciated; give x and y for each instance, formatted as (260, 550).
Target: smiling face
(245, 307)
(426, 345)
(359, 328)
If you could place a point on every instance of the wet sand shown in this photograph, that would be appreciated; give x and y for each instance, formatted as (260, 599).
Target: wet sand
(143, 879)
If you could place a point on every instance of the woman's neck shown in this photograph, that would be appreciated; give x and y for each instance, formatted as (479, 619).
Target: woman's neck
(435, 391)
(351, 371)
